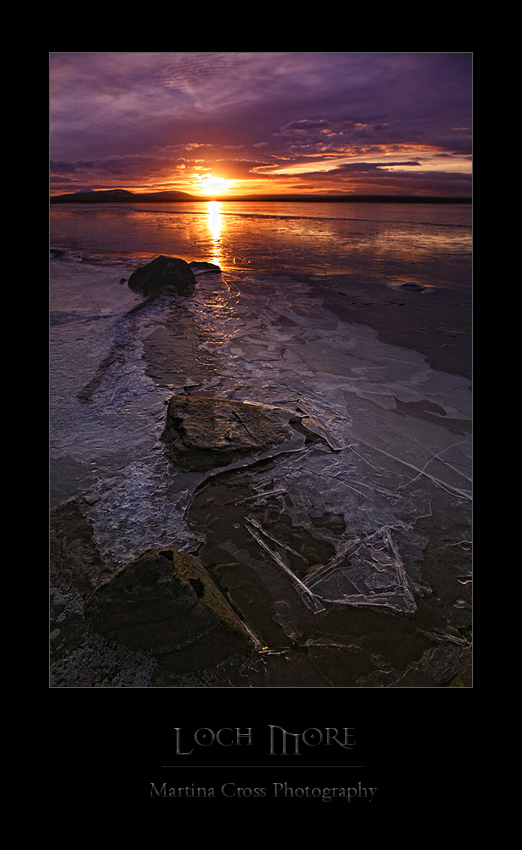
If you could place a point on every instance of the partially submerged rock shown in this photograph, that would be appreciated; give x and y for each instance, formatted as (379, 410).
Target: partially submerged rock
(163, 274)
(413, 286)
(203, 433)
(204, 267)
(165, 605)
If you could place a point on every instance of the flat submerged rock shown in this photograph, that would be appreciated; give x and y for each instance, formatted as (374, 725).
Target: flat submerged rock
(205, 433)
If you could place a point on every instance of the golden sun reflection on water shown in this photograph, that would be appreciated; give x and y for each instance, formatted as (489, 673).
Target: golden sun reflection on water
(214, 225)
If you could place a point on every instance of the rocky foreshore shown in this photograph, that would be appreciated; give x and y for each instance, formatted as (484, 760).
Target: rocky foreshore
(231, 616)
(162, 606)
(162, 621)
(158, 619)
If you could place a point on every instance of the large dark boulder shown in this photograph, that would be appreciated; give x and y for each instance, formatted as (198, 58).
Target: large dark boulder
(163, 274)
(203, 433)
(165, 605)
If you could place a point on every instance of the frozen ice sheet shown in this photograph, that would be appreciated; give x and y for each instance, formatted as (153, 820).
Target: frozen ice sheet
(375, 574)
(394, 431)
(107, 414)
(334, 510)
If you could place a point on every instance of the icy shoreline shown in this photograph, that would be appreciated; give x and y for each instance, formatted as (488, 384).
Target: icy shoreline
(394, 454)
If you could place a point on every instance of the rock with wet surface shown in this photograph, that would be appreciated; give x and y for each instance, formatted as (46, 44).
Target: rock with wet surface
(204, 433)
(204, 267)
(165, 605)
(163, 274)
(413, 286)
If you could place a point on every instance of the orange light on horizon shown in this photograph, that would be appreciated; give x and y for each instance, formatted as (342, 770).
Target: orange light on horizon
(211, 184)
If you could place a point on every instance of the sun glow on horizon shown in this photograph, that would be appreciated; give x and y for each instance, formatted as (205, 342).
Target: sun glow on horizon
(211, 184)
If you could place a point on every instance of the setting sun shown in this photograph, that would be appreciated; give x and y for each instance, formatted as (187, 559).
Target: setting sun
(214, 184)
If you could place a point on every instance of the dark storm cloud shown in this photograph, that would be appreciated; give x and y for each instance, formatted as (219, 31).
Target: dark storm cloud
(113, 113)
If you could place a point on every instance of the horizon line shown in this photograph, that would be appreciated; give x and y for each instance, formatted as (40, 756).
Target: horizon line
(82, 196)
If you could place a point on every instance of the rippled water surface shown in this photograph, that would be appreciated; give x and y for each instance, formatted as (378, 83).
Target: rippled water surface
(301, 237)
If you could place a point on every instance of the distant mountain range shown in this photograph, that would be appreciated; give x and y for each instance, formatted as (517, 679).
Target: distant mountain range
(86, 196)
(99, 196)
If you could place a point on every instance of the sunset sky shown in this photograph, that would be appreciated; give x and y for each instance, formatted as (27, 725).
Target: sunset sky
(264, 123)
